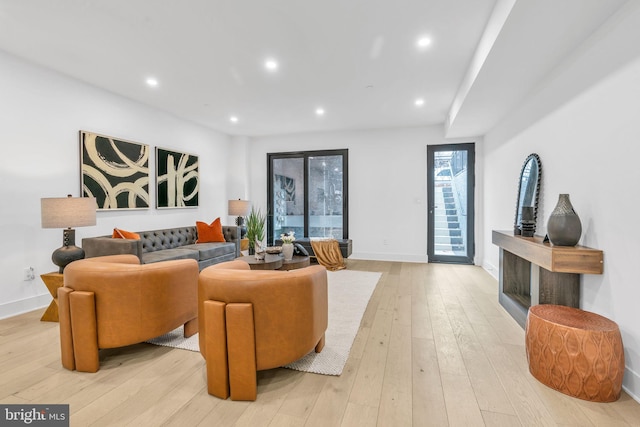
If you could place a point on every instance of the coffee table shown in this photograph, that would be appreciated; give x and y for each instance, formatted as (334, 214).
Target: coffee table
(270, 262)
(275, 262)
(295, 263)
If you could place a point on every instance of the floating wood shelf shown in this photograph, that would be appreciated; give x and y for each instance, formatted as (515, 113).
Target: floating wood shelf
(534, 272)
(559, 259)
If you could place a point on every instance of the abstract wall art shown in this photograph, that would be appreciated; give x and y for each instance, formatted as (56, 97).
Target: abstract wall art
(177, 179)
(114, 171)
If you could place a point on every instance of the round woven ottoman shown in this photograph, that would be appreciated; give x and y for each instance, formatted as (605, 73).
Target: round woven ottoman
(576, 352)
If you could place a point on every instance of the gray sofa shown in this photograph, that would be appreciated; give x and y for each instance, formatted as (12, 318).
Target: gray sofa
(168, 244)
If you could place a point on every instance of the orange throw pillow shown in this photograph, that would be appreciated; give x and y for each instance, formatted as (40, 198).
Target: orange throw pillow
(210, 233)
(123, 234)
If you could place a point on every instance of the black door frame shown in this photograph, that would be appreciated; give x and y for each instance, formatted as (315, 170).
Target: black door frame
(305, 156)
(469, 147)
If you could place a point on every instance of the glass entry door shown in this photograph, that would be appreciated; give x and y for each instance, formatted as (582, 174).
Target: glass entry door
(451, 183)
(307, 194)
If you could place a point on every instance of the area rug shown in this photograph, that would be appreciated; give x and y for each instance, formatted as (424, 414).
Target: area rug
(349, 293)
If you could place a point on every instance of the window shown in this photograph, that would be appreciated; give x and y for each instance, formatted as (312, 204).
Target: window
(307, 194)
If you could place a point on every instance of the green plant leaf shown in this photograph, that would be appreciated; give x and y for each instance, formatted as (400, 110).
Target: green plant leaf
(255, 226)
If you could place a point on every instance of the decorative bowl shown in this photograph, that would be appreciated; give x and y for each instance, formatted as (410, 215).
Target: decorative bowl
(274, 249)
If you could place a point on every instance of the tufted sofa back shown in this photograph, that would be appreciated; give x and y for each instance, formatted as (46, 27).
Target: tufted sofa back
(169, 238)
(153, 241)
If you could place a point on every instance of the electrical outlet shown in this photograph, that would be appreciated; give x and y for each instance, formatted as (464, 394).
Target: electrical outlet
(29, 274)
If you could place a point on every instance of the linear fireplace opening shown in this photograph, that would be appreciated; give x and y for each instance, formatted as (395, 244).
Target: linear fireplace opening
(517, 279)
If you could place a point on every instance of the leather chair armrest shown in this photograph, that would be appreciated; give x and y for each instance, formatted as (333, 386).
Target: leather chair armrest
(84, 331)
(241, 348)
(213, 347)
(66, 338)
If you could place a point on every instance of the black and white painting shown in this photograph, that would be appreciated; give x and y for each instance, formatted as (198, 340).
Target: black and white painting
(114, 171)
(177, 179)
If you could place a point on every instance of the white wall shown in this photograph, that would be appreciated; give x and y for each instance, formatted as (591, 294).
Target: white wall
(387, 185)
(589, 147)
(42, 113)
(238, 169)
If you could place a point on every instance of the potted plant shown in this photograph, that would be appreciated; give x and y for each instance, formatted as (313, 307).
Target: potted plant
(255, 228)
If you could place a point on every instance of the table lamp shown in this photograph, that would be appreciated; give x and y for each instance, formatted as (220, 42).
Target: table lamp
(67, 212)
(240, 209)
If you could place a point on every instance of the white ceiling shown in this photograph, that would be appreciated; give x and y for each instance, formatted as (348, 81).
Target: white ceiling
(355, 58)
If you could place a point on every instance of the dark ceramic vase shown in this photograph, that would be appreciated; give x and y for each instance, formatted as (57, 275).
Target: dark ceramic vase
(564, 227)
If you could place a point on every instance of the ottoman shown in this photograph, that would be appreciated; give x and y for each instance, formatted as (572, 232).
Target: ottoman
(575, 352)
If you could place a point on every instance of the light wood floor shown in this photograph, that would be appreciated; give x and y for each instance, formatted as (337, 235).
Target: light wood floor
(434, 349)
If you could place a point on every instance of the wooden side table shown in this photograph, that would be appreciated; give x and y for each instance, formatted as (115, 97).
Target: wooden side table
(53, 281)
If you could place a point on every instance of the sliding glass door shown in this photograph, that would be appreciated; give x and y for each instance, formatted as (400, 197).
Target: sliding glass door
(307, 194)
(287, 197)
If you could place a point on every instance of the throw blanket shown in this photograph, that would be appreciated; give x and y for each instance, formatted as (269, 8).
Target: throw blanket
(328, 254)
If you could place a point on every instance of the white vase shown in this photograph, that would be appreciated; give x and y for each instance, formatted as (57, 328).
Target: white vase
(259, 249)
(287, 251)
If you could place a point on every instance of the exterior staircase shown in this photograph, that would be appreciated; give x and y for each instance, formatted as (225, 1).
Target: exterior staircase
(447, 231)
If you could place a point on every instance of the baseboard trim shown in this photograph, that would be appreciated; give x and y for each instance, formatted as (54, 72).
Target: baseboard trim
(491, 269)
(26, 305)
(631, 384)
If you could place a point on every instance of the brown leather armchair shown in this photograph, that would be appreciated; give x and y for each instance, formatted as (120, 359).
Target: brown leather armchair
(114, 301)
(255, 320)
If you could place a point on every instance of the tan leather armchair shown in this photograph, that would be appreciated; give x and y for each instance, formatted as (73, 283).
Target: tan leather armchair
(255, 320)
(114, 301)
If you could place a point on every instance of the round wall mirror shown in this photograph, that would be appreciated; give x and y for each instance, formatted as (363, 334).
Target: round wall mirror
(528, 192)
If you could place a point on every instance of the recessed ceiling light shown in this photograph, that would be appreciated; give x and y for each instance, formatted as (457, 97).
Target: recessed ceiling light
(271, 64)
(419, 102)
(233, 119)
(423, 42)
(320, 111)
(152, 81)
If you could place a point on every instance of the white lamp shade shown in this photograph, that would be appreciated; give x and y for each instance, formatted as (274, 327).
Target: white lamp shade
(239, 207)
(63, 212)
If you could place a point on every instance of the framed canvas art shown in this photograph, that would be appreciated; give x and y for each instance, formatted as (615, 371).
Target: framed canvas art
(114, 171)
(177, 179)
